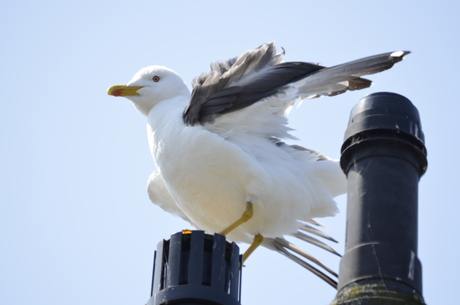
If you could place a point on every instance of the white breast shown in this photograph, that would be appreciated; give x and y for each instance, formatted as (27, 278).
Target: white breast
(211, 178)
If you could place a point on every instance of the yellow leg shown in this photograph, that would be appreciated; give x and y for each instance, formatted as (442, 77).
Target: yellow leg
(247, 214)
(258, 240)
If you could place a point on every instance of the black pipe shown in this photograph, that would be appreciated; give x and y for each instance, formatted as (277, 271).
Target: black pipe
(196, 268)
(383, 156)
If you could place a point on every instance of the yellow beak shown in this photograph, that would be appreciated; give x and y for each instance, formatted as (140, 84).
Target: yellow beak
(123, 90)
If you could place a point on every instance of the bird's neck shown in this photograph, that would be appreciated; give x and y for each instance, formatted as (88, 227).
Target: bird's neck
(165, 121)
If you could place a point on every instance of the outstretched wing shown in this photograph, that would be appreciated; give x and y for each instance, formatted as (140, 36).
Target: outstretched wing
(260, 75)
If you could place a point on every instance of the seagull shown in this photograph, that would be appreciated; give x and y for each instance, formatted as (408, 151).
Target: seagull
(221, 160)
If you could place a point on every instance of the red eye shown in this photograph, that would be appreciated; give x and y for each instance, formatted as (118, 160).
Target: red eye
(156, 78)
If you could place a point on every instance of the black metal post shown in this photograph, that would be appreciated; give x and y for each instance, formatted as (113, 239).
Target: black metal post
(196, 268)
(384, 157)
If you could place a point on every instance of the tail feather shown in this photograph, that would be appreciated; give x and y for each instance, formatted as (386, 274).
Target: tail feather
(284, 247)
(316, 223)
(315, 242)
(311, 230)
(304, 258)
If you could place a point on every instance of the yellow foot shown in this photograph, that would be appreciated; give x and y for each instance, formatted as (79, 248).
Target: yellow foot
(258, 240)
(247, 214)
(186, 231)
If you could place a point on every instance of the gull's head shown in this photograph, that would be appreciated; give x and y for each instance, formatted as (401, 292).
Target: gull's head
(150, 86)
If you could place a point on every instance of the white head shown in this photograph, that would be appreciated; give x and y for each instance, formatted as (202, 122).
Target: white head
(150, 86)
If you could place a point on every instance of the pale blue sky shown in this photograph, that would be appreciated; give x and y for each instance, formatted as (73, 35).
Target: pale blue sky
(76, 225)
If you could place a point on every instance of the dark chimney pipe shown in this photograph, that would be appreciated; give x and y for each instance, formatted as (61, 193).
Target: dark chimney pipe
(384, 157)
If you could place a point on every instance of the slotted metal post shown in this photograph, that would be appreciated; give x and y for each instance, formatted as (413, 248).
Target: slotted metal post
(196, 268)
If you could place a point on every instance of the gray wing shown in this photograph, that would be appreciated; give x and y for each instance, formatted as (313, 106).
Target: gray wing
(240, 82)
